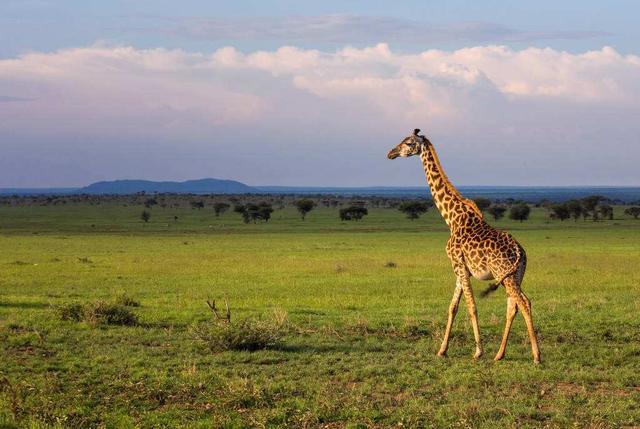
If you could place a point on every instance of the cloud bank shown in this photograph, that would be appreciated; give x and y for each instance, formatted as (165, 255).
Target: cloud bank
(302, 116)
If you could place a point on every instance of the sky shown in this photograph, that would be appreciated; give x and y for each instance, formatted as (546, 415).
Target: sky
(307, 93)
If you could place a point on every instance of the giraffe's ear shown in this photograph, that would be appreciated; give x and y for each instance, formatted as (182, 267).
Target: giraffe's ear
(416, 131)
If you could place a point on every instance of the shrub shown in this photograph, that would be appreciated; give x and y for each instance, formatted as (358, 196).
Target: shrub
(246, 334)
(97, 313)
(73, 312)
(102, 312)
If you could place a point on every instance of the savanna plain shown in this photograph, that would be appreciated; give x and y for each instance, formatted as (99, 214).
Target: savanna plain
(361, 307)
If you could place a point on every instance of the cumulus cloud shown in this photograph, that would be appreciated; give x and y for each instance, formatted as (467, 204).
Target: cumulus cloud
(356, 29)
(281, 117)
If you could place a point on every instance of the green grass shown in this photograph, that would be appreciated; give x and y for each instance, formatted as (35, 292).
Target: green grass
(361, 339)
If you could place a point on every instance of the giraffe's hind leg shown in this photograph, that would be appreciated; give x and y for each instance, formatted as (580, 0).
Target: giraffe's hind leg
(512, 309)
(524, 305)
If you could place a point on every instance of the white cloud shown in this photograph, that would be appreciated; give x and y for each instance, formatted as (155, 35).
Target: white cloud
(480, 98)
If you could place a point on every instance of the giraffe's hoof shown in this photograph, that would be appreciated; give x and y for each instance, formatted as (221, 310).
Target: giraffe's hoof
(498, 357)
(478, 354)
(536, 361)
(441, 354)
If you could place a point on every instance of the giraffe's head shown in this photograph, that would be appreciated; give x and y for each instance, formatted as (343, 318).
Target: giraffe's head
(409, 146)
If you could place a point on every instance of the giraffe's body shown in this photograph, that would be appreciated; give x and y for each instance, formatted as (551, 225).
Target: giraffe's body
(474, 248)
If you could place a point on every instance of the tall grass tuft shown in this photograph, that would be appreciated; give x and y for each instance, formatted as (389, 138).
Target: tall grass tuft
(248, 334)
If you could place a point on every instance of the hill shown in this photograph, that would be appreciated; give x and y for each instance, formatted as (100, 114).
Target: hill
(201, 186)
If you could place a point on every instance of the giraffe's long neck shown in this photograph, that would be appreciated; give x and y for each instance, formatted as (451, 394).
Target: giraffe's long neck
(450, 203)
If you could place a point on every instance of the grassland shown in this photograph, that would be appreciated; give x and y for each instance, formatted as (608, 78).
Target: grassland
(361, 339)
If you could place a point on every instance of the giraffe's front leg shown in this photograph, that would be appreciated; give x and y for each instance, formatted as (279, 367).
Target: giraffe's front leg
(453, 310)
(473, 314)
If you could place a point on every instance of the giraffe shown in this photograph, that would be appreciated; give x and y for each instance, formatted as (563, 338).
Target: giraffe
(474, 249)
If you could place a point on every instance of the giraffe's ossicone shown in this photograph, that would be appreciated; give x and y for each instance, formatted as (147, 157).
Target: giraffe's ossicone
(474, 248)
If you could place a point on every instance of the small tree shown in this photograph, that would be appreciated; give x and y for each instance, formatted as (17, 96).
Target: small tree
(482, 203)
(519, 212)
(590, 205)
(145, 216)
(606, 211)
(560, 211)
(497, 212)
(633, 211)
(413, 209)
(575, 209)
(304, 206)
(220, 208)
(353, 213)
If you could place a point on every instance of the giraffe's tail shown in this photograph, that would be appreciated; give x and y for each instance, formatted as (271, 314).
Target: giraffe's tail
(489, 289)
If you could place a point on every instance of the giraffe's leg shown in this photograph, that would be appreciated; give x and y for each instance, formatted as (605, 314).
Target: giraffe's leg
(512, 309)
(453, 310)
(473, 314)
(524, 305)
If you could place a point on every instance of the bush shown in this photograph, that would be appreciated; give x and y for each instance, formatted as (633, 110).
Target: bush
(102, 312)
(73, 312)
(97, 313)
(246, 334)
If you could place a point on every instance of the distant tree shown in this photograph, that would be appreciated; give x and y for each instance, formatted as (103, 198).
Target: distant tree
(197, 204)
(590, 205)
(145, 216)
(497, 212)
(175, 218)
(575, 209)
(633, 211)
(220, 208)
(304, 206)
(413, 209)
(519, 212)
(353, 213)
(482, 203)
(150, 202)
(606, 211)
(560, 211)
(254, 212)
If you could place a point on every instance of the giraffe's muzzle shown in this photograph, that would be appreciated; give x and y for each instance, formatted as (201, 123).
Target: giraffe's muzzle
(393, 153)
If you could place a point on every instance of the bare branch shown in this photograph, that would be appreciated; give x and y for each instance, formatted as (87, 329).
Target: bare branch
(214, 310)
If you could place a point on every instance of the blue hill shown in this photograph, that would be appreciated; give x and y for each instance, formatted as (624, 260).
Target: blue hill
(201, 186)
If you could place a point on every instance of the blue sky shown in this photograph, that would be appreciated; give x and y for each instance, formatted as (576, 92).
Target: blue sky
(516, 93)
(46, 25)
